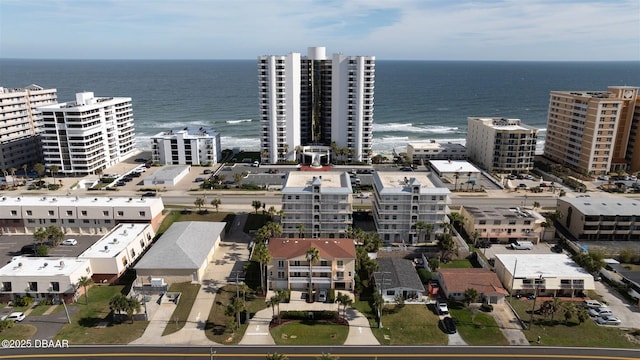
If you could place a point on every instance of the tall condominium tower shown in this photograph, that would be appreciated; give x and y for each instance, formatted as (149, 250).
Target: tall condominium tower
(314, 108)
(500, 144)
(594, 132)
(88, 135)
(21, 124)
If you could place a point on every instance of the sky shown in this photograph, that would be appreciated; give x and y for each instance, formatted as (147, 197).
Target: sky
(535, 30)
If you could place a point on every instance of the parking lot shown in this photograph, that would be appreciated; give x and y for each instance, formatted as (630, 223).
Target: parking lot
(10, 246)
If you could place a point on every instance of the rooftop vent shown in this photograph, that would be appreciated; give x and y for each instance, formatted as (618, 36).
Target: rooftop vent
(45, 264)
(19, 264)
(106, 248)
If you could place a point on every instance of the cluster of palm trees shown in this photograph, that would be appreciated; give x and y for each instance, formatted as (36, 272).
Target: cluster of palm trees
(567, 309)
(457, 175)
(200, 203)
(121, 303)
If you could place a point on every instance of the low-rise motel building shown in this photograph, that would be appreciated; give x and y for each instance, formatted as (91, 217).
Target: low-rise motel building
(88, 215)
(43, 278)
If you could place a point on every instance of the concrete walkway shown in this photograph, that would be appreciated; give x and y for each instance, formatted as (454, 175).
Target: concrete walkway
(258, 329)
(359, 329)
(509, 324)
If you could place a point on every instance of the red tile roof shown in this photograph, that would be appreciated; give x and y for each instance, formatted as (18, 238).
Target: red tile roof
(289, 248)
(483, 280)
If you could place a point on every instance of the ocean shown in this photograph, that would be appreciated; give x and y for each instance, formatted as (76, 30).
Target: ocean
(414, 100)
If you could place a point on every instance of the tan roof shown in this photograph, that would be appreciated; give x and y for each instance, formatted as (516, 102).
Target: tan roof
(327, 248)
(483, 280)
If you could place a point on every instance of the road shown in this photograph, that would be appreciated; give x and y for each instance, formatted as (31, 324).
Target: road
(312, 352)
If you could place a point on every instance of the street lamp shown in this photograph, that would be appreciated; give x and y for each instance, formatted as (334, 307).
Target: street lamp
(535, 297)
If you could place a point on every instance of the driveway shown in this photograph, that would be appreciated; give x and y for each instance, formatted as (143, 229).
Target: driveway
(509, 324)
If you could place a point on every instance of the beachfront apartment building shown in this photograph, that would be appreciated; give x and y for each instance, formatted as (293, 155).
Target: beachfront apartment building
(599, 218)
(402, 200)
(501, 145)
(311, 106)
(88, 135)
(594, 132)
(20, 125)
(23, 215)
(43, 278)
(289, 267)
(317, 205)
(118, 250)
(497, 224)
(188, 146)
(422, 152)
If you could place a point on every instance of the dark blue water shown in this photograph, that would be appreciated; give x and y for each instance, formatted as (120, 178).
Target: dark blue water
(414, 100)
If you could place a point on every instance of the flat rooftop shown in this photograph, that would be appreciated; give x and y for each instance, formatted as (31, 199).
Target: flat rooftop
(44, 266)
(548, 265)
(497, 212)
(169, 172)
(330, 182)
(77, 201)
(434, 145)
(505, 124)
(452, 166)
(115, 241)
(189, 132)
(613, 206)
(400, 182)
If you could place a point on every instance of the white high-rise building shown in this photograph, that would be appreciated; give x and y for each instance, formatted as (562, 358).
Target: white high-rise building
(21, 123)
(87, 135)
(403, 202)
(311, 106)
(189, 146)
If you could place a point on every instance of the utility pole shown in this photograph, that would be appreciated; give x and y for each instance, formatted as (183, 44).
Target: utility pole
(380, 282)
(535, 297)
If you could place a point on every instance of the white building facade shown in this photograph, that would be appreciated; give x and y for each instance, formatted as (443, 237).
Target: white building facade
(501, 144)
(88, 135)
(496, 224)
(315, 100)
(317, 205)
(21, 124)
(189, 146)
(402, 200)
(422, 152)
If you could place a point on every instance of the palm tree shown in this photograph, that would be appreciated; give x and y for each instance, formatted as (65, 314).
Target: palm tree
(235, 307)
(216, 203)
(273, 301)
(301, 230)
(24, 169)
(378, 304)
(133, 305)
(420, 226)
(312, 256)
(13, 175)
(39, 169)
(256, 204)
(84, 282)
(54, 170)
(468, 179)
(199, 203)
(118, 304)
(271, 212)
(475, 235)
(344, 300)
(536, 204)
(456, 176)
(261, 253)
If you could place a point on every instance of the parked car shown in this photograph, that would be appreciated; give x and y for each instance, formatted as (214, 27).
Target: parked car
(15, 316)
(207, 171)
(70, 242)
(442, 307)
(484, 244)
(29, 249)
(608, 320)
(592, 304)
(149, 194)
(601, 311)
(322, 296)
(199, 179)
(256, 164)
(556, 249)
(448, 325)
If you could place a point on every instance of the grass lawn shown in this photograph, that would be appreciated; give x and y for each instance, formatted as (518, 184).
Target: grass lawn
(310, 333)
(556, 333)
(83, 330)
(482, 330)
(406, 325)
(216, 328)
(18, 332)
(457, 263)
(179, 215)
(188, 295)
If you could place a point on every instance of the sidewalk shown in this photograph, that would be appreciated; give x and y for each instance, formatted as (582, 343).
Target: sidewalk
(509, 324)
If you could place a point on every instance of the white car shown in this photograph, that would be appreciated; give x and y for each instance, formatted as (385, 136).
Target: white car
(70, 242)
(443, 309)
(592, 304)
(15, 316)
(608, 320)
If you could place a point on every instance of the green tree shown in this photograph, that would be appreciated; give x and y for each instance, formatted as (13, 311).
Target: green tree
(301, 230)
(54, 235)
(344, 300)
(421, 226)
(474, 236)
(276, 356)
(216, 203)
(237, 177)
(235, 307)
(54, 171)
(582, 314)
(199, 203)
(271, 212)
(378, 305)
(261, 254)
(84, 282)
(273, 301)
(470, 295)
(40, 235)
(447, 246)
(12, 171)
(569, 310)
(118, 304)
(256, 204)
(42, 250)
(312, 256)
(434, 264)
(133, 305)
(39, 169)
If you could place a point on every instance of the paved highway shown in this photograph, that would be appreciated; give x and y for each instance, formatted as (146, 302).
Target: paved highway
(312, 352)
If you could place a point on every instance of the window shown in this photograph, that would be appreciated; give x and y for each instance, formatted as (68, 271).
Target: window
(281, 264)
(14, 212)
(125, 262)
(51, 213)
(143, 213)
(69, 212)
(120, 213)
(391, 292)
(7, 286)
(281, 275)
(29, 212)
(33, 286)
(55, 286)
(83, 212)
(339, 274)
(105, 213)
(340, 263)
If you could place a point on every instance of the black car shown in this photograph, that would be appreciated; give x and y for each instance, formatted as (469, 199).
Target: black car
(448, 325)
(149, 194)
(28, 249)
(556, 249)
(484, 245)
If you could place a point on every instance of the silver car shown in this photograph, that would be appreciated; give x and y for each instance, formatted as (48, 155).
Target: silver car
(608, 320)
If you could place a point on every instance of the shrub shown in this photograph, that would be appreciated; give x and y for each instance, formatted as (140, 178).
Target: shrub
(42, 250)
(486, 307)
(24, 301)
